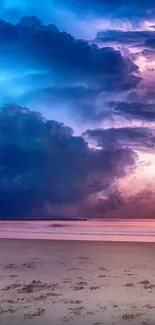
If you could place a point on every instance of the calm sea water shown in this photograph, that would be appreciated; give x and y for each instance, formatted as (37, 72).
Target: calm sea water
(102, 230)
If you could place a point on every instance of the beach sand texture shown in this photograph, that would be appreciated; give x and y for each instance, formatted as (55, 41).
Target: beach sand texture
(57, 282)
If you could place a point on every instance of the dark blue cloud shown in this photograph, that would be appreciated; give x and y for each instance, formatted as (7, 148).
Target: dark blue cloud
(136, 138)
(119, 9)
(80, 103)
(45, 69)
(41, 163)
(134, 110)
(136, 38)
(102, 8)
(150, 43)
(67, 59)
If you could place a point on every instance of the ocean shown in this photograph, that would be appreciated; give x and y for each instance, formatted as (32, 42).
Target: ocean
(98, 230)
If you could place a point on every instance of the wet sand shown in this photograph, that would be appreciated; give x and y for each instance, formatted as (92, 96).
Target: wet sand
(78, 283)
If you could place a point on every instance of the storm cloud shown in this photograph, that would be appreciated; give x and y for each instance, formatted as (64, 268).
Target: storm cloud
(42, 162)
(137, 138)
(133, 9)
(67, 59)
(47, 69)
(136, 38)
(135, 110)
(102, 89)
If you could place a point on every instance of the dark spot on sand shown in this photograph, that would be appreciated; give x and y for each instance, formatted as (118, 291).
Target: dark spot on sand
(8, 301)
(73, 269)
(37, 286)
(76, 310)
(84, 258)
(30, 265)
(67, 319)
(130, 316)
(95, 288)
(102, 276)
(101, 268)
(10, 266)
(90, 313)
(83, 283)
(78, 288)
(149, 306)
(80, 285)
(12, 287)
(47, 295)
(145, 282)
(71, 302)
(13, 275)
(39, 312)
(129, 285)
(60, 262)
(67, 280)
(9, 310)
(151, 286)
(103, 308)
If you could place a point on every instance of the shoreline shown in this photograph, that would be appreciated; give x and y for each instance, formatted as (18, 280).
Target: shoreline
(76, 241)
(93, 230)
(77, 238)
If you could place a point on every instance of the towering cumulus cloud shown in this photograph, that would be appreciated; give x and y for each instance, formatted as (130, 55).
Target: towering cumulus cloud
(77, 114)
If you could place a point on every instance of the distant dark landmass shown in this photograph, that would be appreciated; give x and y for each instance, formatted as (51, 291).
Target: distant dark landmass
(44, 219)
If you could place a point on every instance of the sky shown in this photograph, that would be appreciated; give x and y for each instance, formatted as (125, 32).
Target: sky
(77, 109)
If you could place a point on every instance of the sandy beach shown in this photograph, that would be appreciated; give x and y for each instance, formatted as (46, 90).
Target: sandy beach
(57, 282)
